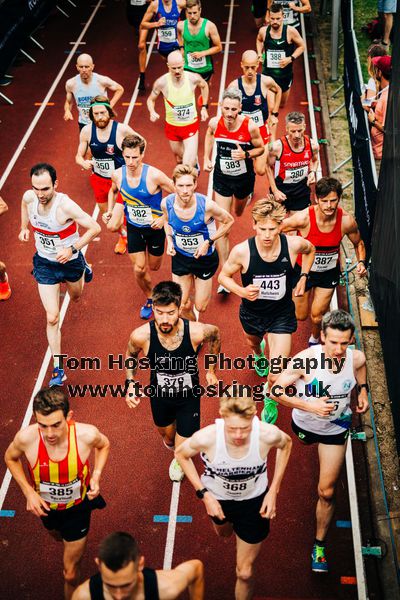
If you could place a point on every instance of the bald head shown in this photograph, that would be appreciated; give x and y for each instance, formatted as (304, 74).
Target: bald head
(249, 65)
(84, 59)
(175, 59)
(249, 56)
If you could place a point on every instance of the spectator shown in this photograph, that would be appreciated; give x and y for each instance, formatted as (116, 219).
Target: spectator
(382, 66)
(386, 9)
(371, 88)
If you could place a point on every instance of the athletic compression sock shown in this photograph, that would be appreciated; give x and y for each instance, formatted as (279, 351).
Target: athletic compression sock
(320, 543)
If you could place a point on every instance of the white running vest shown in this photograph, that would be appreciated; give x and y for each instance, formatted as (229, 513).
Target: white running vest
(84, 93)
(50, 236)
(339, 392)
(230, 478)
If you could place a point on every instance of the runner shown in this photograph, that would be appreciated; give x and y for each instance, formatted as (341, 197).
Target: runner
(135, 11)
(292, 10)
(200, 40)
(294, 157)
(324, 225)
(321, 410)
(54, 218)
(238, 143)
(5, 289)
(171, 345)
(259, 10)
(164, 15)
(191, 229)
(103, 137)
(137, 188)
(182, 124)
(266, 264)
(122, 574)
(234, 486)
(62, 491)
(278, 46)
(84, 87)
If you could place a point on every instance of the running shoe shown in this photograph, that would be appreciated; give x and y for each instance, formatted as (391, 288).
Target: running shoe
(146, 312)
(222, 290)
(57, 377)
(261, 364)
(5, 290)
(318, 559)
(88, 272)
(175, 471)
(120, 246)
(170, 447)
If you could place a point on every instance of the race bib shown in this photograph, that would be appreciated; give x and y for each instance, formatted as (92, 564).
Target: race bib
(140, 215)
(325, 261)
(60, 493)
(339, 406)
(274, 57)
(174, 384)
(196, 63)
(229, 166)
(167, 35)
(184, 113)
(104, 167)
(138, 2)
(189, 243)
(84, 114)
(49, 243)
(272, 287)
(237, 489)
(295, 175)
(257, 117)
(288, 18)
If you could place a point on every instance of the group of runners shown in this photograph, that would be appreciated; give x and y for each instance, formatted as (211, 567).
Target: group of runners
(293, 254)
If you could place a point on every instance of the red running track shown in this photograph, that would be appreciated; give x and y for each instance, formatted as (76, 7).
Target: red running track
(135, 482)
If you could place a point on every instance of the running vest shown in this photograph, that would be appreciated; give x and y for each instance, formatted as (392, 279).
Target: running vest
(256, 105)
(140, 207)
(339, 391)
(63, 483)
(275, 280)
(84, 94)
(167, 34)
(196, 43)
(107, 156)
(174, 373)
(292, 169)
(226, 142)
(190, 235)
(149, 580)
(290, 16)
(275, 50)
(50, 236)
(327, 244)
(180, 103)
(229, 478)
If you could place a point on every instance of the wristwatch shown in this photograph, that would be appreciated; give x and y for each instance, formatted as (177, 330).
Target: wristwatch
(200, 493)
(247, 154)
(74, 250)
(306, 275)
(275, 114)
(361, 386)
(293, 57)
(204, 106)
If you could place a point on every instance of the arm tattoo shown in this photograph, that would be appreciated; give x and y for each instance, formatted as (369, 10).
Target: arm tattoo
(211, 335)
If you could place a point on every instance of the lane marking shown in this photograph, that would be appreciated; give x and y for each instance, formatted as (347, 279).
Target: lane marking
(7, 513)
(136, 89)
(173, 512)
(343, 524)
(179, 519)
(348, 580)
(40, 104)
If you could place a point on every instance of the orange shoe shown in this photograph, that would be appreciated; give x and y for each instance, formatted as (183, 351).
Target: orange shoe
(120, 246)
(5, 290)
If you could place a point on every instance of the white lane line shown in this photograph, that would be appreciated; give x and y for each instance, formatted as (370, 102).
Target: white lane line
(136, 90)
(173, 511)
(49, 94)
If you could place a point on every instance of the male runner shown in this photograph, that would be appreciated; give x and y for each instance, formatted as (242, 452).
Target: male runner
(322, 412)
(182, 124)
(292, 163)
(103, 137)
(266, 264)
(324, 225)
(291, 10)
(135, 11)
(238, 143)
(122, 575)
(171, 345)
(200, 41)
(278, 46)
(84, 87)
(5, 289)
(137, 187)
(191, 229)
(164, 15)
(259, 10)
(234, 486)
(54, 218)
(62, 491)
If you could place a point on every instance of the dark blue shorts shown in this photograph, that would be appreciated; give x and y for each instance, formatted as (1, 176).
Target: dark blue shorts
(49, 272)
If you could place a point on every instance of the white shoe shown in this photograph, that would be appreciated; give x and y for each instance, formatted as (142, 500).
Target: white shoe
(175, 471)
(222, 290)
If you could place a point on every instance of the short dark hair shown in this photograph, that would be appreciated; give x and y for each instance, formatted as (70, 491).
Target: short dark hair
(338, 319)
(275, 8)
(117, 550)
(167, 292)
(48, 400)
(101, 100)
(40, 168)
(326, 185)
(134, 141)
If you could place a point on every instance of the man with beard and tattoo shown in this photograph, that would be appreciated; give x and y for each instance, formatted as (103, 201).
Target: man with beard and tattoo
(103, 137)
(171, 345)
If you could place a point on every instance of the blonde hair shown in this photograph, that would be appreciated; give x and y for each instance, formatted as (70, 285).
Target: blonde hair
(242, 406)
(181, 170)
(268, 208)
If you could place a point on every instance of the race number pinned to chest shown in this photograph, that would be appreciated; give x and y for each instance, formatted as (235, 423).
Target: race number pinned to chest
(103, 167)
(288, 18)
(167, 35)
(189, 243)
(48, 243)
(325, 261)
(257, 117)
(295, 174)
(137, 2)
(196, 63)
(60, 493)
(184, 113)
(84, 114)
(140, 215)
(229, 166)
(171, 384)
(272, 287)
(340, 404)
(274, 57)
